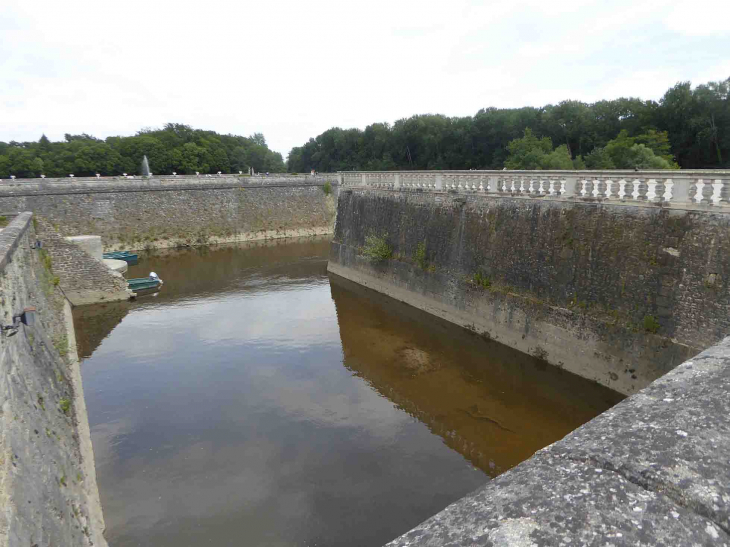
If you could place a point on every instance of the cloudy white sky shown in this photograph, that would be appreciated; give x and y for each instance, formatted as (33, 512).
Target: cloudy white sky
(292, 69)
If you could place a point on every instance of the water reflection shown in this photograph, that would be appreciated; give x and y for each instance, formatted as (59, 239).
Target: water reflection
(494, 405)
(222, 414)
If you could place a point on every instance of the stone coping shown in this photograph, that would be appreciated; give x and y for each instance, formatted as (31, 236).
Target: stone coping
(32, 187)
(653, 470)
(10, 237)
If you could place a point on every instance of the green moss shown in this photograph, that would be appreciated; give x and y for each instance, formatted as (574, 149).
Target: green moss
(327, 188)
(4, 221)
(46, 260)
(65, 405)
(61, 344)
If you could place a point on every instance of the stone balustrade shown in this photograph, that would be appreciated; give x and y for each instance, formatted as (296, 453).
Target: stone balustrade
(681, 187)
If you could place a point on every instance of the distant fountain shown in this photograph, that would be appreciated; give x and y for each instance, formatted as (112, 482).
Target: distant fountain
(145, 169)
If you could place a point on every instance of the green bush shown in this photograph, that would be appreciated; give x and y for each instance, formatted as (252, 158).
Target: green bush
(420, 256)
(377, 249)
(327, 188)
(651, 324)
(481, 280)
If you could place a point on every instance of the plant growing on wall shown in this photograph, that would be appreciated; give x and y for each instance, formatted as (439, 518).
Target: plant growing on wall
(376, 248)
(420, 255)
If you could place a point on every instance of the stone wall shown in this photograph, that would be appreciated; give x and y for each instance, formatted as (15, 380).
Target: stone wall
(173, 211)
(618, 294)
(653, 470)
(83, 279)
(48, 486)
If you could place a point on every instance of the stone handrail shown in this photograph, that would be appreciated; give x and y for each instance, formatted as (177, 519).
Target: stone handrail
(675, 187)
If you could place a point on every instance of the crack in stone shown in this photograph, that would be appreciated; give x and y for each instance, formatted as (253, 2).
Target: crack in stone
(651, 484)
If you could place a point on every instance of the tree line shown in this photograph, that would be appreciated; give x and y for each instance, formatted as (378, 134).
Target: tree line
(687, 128)
(174, 148)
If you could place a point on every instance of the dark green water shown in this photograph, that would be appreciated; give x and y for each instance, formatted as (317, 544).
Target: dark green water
(257, 401)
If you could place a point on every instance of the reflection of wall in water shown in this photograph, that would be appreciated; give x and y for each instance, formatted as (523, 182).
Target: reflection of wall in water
(223, 270)
(494, 405)
(94, 323)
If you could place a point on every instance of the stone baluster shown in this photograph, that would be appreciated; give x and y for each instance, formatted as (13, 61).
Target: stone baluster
(587, 191)
(694, 194)
(659, 190)
(491, 185)
(670, 191)
(601, 187)
(707, 191)
(628, 189)
(504, 185)
(553, 186)
(725, 192)
(650, 189)
(716, 191)
(642, 189)
(614, 187)
(535, 184)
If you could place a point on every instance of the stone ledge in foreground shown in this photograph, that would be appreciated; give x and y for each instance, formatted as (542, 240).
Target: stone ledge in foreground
(654, 470)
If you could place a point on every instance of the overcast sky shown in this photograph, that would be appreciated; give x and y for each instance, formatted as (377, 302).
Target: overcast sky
(292, 69)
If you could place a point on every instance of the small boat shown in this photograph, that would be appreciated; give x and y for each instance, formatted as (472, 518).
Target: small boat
(150, 282)
(128, 256)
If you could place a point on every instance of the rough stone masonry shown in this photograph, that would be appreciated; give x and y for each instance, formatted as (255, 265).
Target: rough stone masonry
(617, 294)
(178, 211)
(48, 490)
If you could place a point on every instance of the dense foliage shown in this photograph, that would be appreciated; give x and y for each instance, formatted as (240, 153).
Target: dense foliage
(688, 126)
(174, 148)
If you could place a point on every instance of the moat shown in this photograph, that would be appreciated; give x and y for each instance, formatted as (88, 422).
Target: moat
(256, 400)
